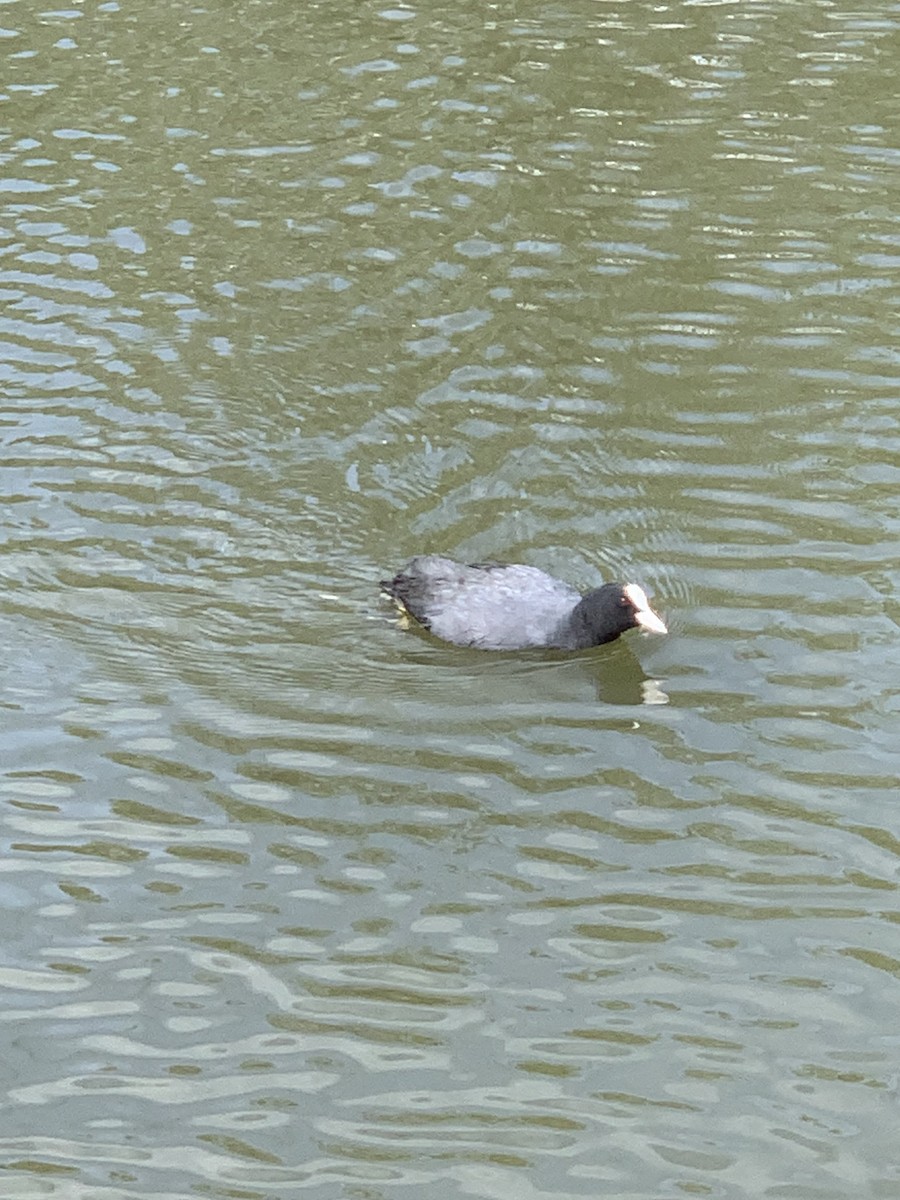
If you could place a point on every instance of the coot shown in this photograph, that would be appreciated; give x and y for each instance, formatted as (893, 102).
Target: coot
(499, 606)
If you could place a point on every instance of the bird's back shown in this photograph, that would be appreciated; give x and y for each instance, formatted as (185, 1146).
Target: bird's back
(493, 606)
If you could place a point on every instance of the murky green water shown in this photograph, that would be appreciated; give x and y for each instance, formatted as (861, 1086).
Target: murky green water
(296, 903)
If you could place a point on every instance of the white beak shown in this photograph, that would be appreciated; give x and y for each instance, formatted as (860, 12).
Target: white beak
(643, 613)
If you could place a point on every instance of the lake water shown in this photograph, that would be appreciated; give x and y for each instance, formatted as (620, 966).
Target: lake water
(298, 903)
